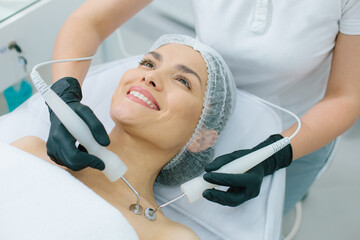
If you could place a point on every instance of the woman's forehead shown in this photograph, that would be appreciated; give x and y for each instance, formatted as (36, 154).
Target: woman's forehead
(182, 54)
(178, 48)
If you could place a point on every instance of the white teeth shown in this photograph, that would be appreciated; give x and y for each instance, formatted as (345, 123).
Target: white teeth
(142, 97)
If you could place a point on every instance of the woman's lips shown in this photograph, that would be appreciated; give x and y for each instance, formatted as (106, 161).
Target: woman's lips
(143, 97)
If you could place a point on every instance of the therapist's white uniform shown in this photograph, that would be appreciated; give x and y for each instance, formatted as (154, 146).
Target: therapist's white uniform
(280, 50)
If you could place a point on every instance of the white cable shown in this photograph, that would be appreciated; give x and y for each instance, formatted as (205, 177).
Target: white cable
(38, 81)
(59, 61)
(285, 110)
(298, 219)
(194, 188)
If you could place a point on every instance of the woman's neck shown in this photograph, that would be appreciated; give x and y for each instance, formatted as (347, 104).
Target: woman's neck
(144, 162)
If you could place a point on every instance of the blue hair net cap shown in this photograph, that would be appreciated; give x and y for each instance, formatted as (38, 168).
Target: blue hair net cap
(218, 105)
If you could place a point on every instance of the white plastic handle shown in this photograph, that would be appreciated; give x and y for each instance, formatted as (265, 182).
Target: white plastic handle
(194, 188)
(114, 167)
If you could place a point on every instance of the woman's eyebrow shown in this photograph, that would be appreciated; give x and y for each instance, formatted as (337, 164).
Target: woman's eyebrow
(185, 69)
(157, 56)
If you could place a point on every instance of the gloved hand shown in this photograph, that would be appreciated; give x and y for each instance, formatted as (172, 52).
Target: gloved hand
(61, 144)
(247, 185)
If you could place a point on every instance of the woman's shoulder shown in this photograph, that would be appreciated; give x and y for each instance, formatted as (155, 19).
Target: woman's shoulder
(33, 145)
(30, 144)
(177, 231)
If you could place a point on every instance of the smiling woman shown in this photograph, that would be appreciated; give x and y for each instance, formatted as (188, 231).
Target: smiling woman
(168, 113)
(176, 95)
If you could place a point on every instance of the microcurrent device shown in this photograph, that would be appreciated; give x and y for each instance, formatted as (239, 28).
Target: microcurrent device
(114, 167)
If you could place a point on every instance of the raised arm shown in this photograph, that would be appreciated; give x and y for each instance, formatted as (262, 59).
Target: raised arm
(86, 29)
(80, 36)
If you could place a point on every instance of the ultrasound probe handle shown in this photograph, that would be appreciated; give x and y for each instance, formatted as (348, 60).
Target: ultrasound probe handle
(114, 167)
(194, 188)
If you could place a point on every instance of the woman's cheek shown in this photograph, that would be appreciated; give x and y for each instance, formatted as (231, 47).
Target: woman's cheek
(194, 109)
(130, 76)
(191, 112)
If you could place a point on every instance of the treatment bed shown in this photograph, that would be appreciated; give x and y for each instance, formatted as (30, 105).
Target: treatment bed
(41, 201)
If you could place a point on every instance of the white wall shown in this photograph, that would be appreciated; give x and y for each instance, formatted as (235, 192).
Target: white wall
(35, 30)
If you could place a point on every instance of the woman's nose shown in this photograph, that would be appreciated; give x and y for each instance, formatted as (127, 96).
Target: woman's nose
(153, 80)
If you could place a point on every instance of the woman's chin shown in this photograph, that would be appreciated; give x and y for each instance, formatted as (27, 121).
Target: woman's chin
(127, 115)
(119, 117)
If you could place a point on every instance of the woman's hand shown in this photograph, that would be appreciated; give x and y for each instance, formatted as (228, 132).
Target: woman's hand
(60, 144)
(243, 187)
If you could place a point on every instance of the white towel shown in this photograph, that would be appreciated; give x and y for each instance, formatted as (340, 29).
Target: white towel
(41, 201)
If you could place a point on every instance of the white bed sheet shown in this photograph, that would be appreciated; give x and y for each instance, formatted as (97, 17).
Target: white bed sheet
(41, 201)
(251, 123)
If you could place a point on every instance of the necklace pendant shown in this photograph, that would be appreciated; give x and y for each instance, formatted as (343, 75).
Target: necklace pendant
(136, 208)
(150, 214)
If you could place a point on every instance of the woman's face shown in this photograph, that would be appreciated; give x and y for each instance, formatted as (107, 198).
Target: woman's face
(161, 100)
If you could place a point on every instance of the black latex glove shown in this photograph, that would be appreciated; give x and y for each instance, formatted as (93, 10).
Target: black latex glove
(61, 144)
(243, 187)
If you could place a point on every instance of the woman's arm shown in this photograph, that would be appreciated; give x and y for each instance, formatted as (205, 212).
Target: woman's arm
(80, 36)
(340, 107)
(86, 29)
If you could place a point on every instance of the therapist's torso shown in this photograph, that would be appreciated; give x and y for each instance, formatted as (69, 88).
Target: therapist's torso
(279, 50)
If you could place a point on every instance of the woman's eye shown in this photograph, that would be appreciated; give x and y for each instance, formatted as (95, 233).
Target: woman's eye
(184, 81)
(146, 63)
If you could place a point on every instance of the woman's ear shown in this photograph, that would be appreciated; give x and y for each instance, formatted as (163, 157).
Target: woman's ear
(203, 140)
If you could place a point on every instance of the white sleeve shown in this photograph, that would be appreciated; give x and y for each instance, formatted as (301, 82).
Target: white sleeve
(350, 17)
